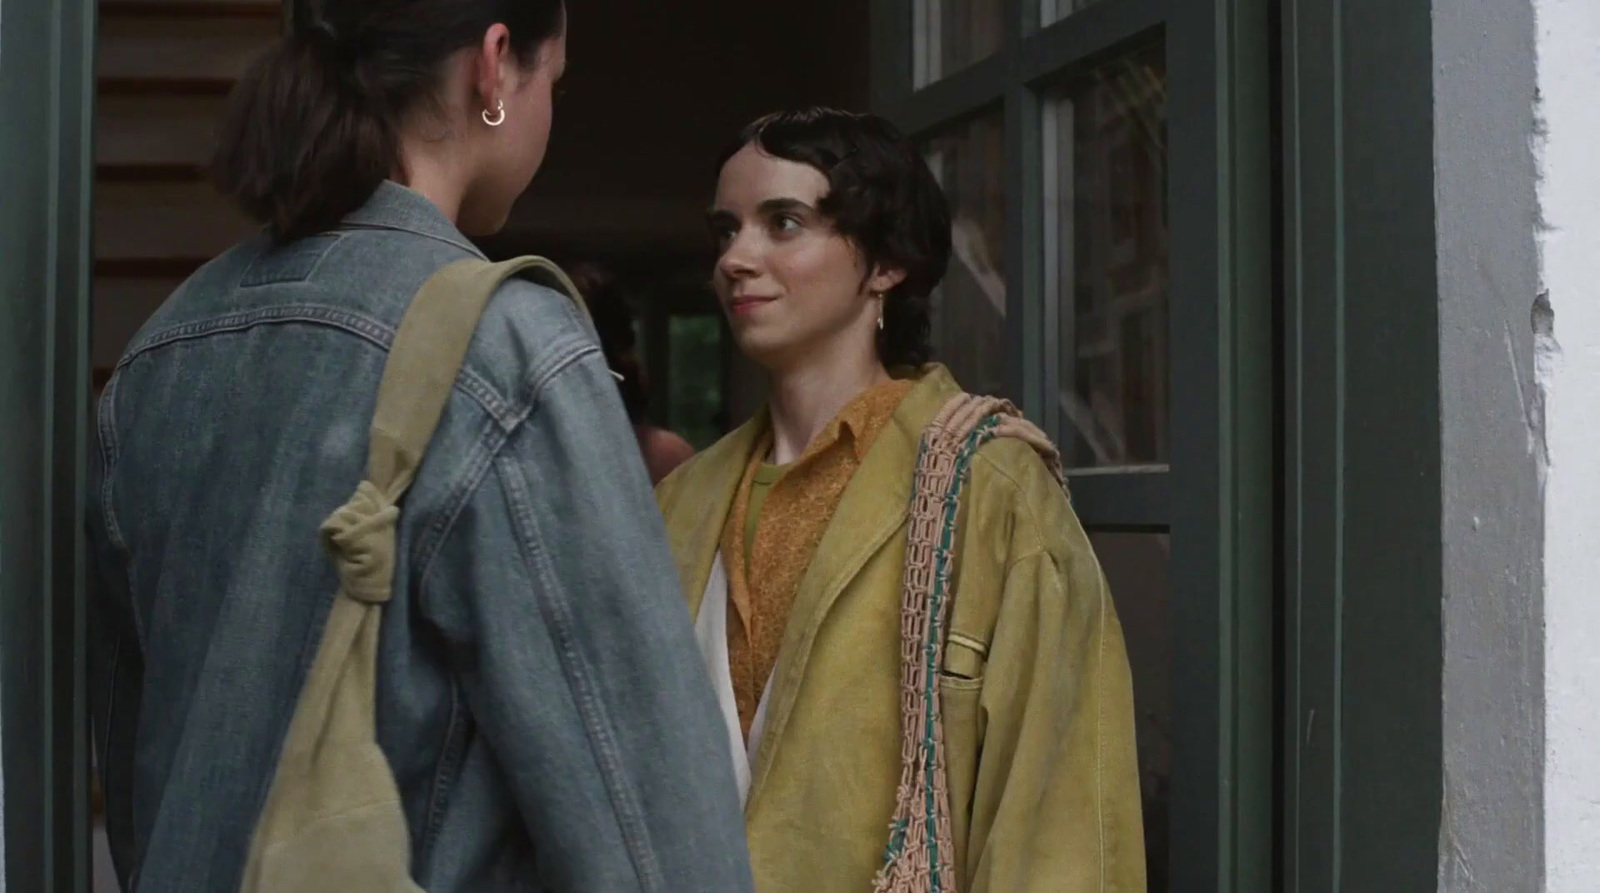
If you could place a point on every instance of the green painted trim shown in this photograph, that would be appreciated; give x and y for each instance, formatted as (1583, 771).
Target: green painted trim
(1249, 420)
(46, 171)
(891, 52)
(1362, 733)
(1026, 379)
(1219, 114)
(968, 92)
(1088, 35)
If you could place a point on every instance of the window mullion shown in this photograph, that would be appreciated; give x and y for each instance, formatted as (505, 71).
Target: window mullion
(1085, 35)
(1025, 252)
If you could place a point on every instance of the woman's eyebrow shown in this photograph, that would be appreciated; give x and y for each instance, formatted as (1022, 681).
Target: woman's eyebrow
(768, 207)
(776, 205)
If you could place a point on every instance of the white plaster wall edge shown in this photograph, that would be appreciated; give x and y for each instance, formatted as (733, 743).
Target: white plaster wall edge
(1568, 35)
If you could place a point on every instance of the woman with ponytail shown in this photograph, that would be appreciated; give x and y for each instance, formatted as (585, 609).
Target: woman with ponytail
(539, 696)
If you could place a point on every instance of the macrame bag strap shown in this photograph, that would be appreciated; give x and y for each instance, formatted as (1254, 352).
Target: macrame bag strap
(920, 855)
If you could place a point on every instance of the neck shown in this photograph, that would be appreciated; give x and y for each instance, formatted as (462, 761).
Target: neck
(805, 398)
(431, 175)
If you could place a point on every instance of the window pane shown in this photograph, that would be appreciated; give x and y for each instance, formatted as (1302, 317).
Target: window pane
(1135, 566)
(1056, 10)
(949, 35)
(1105, 185)
(694, 378)
(969, 309)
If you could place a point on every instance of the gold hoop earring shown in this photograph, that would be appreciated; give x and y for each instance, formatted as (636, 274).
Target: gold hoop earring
(499, 114)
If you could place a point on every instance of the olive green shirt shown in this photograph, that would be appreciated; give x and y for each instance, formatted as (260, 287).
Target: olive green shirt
(761, 483)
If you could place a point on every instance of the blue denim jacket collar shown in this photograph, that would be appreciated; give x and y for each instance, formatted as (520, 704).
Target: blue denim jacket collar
(396, 207)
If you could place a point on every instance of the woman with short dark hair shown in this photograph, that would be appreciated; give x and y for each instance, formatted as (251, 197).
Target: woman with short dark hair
(921, 672)
(539, 697)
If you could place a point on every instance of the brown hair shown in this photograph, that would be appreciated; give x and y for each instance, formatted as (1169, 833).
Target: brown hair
(882, 196)
(313, 127)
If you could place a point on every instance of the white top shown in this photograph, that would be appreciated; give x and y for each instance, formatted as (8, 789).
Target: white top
(711, 631)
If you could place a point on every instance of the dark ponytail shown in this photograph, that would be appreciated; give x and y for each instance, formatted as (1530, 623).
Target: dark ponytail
(313, 127)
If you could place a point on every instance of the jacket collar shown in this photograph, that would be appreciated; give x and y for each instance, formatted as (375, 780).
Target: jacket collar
(872, 508)
(396, 207)
(703, 493)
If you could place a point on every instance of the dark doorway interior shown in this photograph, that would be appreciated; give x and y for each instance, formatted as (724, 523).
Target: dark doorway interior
(652, 93)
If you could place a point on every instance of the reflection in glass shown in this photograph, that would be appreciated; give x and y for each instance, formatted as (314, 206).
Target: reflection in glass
(949, 35)
(1135, 566)
(1105, 185)
(969, 309)
(694, 378)
(1056, 10)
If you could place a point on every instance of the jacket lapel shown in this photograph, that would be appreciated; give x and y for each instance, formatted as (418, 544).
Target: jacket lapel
(871, 510)
(697, 501)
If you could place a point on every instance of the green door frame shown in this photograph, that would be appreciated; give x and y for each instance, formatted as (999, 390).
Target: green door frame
(1363, 568)
(1218, 499)
(1223, 568)
(46, 172)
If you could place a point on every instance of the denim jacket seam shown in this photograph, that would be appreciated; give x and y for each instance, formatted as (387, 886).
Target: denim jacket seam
(105, 420)
(358, 324)
(625, 805)
(399, 228)
(374, 331)
(111, 715)
(445, 774)
(437, 532)
(570, 351)
(498, 408)
(109, 448)
(248, 280)
(506, 417)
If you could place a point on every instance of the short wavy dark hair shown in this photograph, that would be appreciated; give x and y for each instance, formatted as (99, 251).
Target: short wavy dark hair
(882, 197)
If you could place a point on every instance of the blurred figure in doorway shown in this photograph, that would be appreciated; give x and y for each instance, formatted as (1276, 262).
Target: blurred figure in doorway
(662, 450)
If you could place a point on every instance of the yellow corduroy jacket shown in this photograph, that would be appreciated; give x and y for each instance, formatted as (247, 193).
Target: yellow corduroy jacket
(1037, 697)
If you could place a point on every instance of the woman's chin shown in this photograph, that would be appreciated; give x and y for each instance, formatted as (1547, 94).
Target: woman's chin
(766, 348)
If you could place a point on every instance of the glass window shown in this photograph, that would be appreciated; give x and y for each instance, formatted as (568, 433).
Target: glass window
(694, 378)
(1105, 236)
(1056, 10)
(949, 35)
(969, 308)
(1135, 566)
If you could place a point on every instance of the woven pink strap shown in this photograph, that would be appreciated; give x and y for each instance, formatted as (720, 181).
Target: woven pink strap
(915, 860)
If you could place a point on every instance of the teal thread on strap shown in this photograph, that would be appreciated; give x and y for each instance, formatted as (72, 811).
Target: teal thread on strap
(943, 550)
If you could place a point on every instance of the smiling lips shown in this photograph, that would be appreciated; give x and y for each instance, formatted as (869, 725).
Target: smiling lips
(745, 304)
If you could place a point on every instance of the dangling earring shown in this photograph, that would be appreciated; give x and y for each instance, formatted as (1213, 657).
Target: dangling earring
(499, 114)
(879, 299)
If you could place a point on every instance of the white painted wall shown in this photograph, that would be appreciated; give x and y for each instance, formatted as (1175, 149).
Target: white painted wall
(1569, 374)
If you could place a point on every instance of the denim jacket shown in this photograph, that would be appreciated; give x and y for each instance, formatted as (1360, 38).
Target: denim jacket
(540, 696)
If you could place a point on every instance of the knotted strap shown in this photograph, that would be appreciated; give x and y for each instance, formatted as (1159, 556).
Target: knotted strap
(920, 855)
(333, 821)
